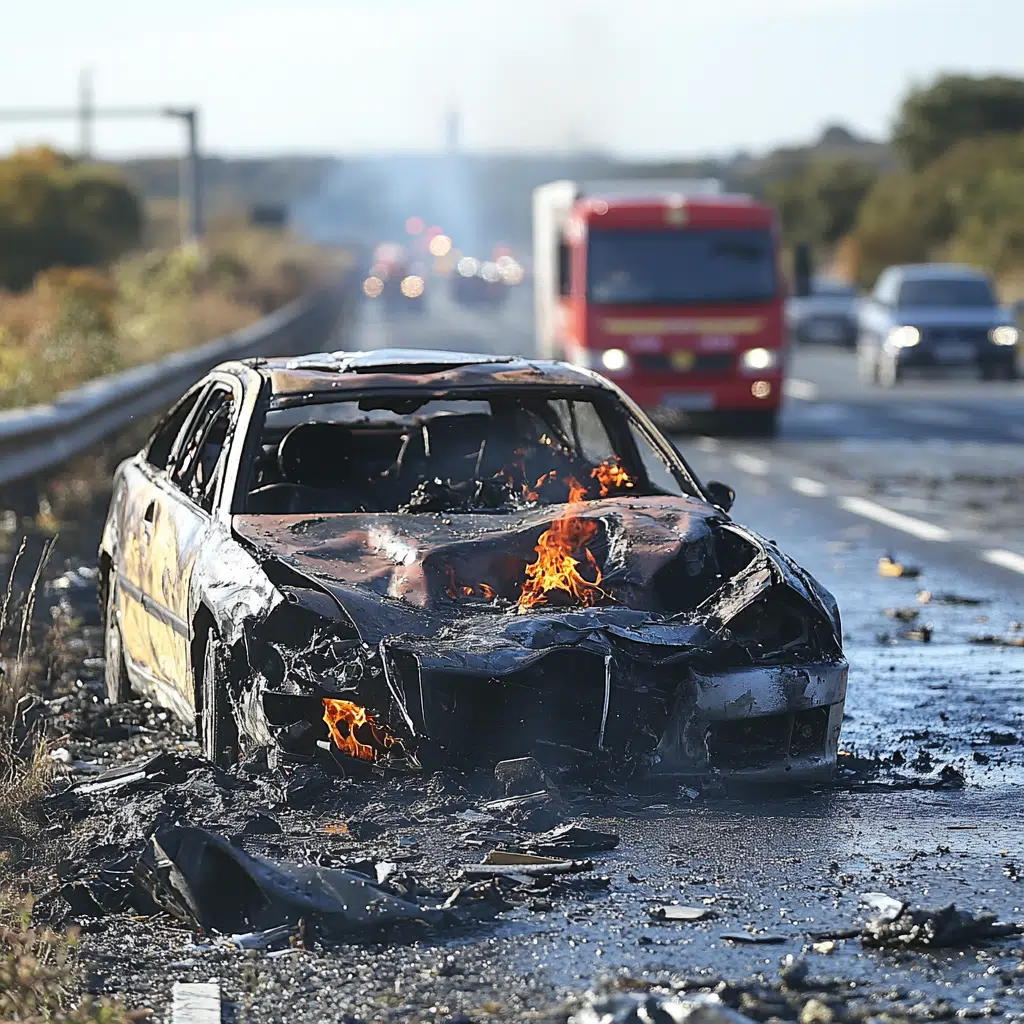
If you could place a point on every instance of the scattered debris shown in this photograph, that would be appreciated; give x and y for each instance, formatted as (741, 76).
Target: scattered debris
(891, 569)
(195, 1002)
(673, 912)
(994, 640)
(924, 634)
(897, 926)
(885, 907)
(753, 938)
(927, 597)
(903, 614)
(521, 775)
(203, 879)
(650, 1008)
(505, 863)
(163, 769)
(571, 839)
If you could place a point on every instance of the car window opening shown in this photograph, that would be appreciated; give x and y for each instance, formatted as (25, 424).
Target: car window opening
(410, 454)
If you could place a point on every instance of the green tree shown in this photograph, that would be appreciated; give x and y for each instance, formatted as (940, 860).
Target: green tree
(819, 203)
(56, 212)
(934, 118)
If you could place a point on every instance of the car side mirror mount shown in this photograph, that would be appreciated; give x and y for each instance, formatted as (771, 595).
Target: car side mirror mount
(720, 494)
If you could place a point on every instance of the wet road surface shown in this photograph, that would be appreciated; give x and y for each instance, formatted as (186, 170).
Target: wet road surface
(791, 866)
(941, 820)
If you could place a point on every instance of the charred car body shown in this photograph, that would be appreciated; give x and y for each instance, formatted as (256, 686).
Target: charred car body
(406, 557)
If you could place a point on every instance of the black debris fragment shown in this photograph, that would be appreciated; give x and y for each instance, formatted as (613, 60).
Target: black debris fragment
(910, 927)
(753, 938)
(521, 776)
(204, 880)
(163, 769)
(567, 840)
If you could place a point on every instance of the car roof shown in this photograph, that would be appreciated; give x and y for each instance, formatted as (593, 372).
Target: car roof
(413, 369)
(913, 271)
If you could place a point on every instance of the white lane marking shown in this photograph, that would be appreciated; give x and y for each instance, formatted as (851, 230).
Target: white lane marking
(898, 521)
(708, 444)
(1005, 559)
(804, 390)
(812, 488)
(750, 464)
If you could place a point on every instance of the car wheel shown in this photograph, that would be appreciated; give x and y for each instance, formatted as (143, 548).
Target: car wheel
(217, 726)
(986, 371)
(889, 371)
(119, 686)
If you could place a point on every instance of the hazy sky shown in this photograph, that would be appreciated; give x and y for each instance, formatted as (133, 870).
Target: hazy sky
(639, 77)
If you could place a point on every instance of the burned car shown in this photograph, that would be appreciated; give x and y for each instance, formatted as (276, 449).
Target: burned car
(413, 558)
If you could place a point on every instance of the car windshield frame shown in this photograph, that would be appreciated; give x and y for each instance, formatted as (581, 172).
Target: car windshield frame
(944, 288)
(609, 406)
(632, 248)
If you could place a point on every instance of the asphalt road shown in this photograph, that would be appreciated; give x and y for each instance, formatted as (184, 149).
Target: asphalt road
(855, 475)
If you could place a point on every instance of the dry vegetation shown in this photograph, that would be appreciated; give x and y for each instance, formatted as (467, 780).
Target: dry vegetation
(74, 325)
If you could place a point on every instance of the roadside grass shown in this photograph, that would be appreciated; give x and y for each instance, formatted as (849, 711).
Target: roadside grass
(40, 976)
(24, 761)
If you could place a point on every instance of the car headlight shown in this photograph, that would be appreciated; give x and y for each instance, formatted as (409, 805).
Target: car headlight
(904, 337)
(1005, 335)
(615, 360)
(759, 359)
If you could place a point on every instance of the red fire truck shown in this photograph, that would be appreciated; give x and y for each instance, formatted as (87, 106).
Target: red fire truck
(671, 289)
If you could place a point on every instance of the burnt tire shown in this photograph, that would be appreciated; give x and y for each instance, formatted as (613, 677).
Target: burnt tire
(218, 730)
(119, 686)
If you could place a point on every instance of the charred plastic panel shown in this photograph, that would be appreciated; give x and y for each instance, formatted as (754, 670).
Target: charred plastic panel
(702, 628)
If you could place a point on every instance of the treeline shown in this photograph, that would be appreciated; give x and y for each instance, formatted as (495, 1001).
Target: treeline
(58, 212)
(958, 195)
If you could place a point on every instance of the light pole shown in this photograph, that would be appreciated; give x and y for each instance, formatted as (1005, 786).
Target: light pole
(87, 113)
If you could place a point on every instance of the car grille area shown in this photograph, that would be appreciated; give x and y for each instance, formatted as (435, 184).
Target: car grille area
(767, 740)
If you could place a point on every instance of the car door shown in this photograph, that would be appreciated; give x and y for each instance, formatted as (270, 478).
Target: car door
(179, 520)
(129, 545)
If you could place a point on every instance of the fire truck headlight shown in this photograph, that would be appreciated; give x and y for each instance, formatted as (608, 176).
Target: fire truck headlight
(759, 359)
(615, 360)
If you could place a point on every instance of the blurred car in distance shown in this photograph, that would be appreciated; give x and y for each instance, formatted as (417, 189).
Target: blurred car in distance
(478, 283)
(933, 316)
(395, 280)
(827, 316)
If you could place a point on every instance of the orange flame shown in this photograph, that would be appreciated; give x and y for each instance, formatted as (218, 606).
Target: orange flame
(347, 722)
(457, 592)
(560, 549)
(610, 475)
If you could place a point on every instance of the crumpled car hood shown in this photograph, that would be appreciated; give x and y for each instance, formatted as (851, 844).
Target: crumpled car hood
(417, 558)
(394, 574)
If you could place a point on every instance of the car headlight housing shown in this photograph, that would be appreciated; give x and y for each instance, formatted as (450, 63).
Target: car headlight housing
(904, 337)
(1005, 335)
(757, 360)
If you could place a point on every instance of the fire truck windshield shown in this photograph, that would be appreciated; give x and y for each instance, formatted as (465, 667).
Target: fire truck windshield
(681, 267)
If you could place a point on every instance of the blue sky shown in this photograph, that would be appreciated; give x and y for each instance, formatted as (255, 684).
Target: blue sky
(637, 77)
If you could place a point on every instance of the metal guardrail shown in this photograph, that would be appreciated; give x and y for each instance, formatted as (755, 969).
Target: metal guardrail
(41, 437)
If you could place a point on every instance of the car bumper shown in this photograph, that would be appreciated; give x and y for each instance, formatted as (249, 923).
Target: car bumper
(758, 724)
(670, 396)
(919, 357)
